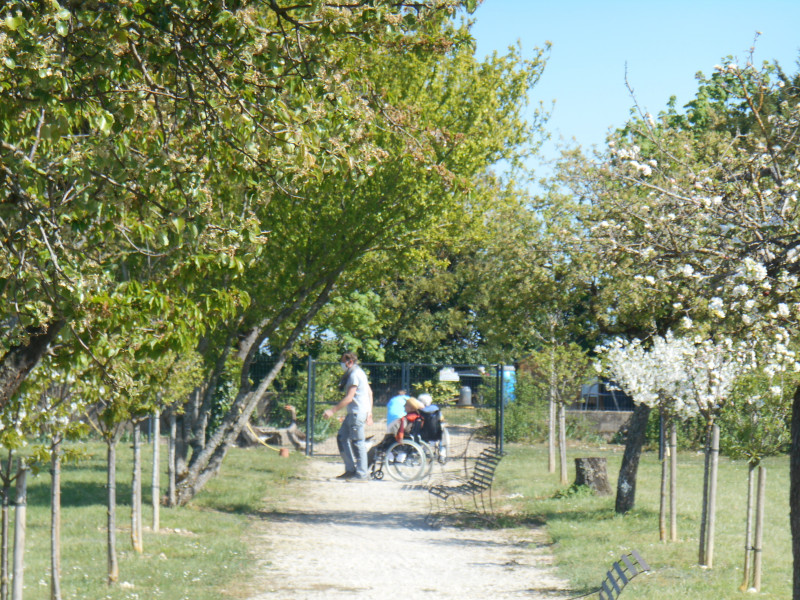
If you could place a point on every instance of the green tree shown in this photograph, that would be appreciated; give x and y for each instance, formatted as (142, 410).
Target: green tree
(356, 227)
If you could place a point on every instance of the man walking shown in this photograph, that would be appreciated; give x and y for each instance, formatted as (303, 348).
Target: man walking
(358, 401)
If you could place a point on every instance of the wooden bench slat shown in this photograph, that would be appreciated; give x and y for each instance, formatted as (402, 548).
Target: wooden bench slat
(613, 582)
(621, 573)
(640, 560)
(631, 567)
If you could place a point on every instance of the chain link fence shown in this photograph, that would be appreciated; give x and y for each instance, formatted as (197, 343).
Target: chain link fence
(471, 397)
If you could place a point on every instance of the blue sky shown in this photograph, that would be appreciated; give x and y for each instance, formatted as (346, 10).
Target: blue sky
(664, 44)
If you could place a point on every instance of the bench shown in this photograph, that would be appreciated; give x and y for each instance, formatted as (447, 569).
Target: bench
(478, 486)
(621, 572)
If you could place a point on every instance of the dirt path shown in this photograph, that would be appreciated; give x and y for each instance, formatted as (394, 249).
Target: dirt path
(369, 540)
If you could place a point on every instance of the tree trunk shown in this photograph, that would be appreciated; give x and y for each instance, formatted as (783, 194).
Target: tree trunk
(662, 505)
(551, 433)
(171, 457)
(673, 481)
(55, 521)
(794, 494)
(562, 442)
(136, 491)
(205, 464)
(182, 435)
(701, 550)
(5, 575)
(748, 529)
(712, 496)
(18, 361)
(155, 482)
(551, 436)
(20, 511)
(626, 484)
(758, 545)
(113, 565)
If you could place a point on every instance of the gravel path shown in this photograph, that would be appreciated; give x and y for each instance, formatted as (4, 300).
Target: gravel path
(369, 540)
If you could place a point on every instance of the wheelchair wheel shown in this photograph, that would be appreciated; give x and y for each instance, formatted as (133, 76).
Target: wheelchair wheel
(430, 456)
(405, 461)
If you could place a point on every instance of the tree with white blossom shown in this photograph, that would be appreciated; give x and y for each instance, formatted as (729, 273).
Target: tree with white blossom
(654, 377)
(682, 377)
(712, 222)
(712, 370)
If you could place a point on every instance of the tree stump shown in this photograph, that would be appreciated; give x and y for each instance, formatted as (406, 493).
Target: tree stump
(592, 472)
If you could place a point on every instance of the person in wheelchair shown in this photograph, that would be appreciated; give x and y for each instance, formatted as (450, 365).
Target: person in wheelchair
(398, 429)
(432, 429)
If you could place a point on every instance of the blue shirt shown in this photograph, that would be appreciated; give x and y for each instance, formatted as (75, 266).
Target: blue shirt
(396, 408)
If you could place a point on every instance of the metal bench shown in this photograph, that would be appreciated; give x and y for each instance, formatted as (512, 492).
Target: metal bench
(621, 572)
(478, 486)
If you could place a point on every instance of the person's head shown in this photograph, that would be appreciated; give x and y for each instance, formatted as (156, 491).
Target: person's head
(401, 392)
(347, 360)
(413, 405)
(426, 399)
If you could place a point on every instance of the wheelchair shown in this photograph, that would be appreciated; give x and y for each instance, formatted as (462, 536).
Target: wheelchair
(411, 459)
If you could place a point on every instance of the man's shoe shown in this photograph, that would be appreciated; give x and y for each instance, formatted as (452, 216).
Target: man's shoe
(346, 475)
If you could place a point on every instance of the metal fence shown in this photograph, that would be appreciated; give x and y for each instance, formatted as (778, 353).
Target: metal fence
(472, 399)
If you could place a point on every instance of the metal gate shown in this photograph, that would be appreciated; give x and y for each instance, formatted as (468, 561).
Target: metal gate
(472, 399)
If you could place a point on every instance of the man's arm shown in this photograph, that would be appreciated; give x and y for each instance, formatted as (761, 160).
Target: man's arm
(348, 398)
(369, 411)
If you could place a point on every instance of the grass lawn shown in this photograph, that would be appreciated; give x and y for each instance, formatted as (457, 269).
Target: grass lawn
(588, 536)
(198, 554)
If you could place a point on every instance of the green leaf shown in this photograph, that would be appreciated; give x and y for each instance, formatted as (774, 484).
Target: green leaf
(14, 23)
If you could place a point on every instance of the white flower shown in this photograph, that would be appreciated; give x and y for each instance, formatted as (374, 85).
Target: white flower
(754, 270)
(741, 290)
(776, 390)
(716, 306)
(783, 310)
